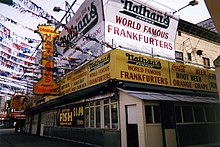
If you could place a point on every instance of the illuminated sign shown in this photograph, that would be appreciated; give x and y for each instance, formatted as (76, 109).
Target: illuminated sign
(47, 85)
(71, 116)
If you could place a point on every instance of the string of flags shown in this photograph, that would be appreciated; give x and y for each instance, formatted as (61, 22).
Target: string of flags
(3, 18)
(33, 8)
(9, 42)
(39, 12)
(5, 33)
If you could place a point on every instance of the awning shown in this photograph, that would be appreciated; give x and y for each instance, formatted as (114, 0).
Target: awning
(170, 97)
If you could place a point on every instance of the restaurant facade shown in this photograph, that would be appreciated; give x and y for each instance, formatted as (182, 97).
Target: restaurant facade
(137, 92)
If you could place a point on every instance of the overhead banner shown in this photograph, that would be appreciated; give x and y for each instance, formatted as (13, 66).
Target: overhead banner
(133, 25)
(47, 85)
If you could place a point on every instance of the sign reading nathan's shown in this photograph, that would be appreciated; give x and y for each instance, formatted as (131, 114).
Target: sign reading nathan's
(47, 85)
(143, 69)
(145, 14)
(83, 23)
(138, 68)
(131, 24)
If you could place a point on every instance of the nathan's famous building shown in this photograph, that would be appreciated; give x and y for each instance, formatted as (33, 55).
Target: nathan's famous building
(145, 79)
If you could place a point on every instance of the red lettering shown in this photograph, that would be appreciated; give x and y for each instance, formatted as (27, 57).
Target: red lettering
(109, 28)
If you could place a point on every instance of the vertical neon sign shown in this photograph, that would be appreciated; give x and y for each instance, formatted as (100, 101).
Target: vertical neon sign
(47, 85)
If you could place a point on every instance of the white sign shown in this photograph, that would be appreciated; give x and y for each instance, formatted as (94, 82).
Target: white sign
(87, 21)
(139, 27)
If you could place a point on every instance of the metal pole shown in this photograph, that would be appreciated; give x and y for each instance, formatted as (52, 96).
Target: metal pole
(66, 13)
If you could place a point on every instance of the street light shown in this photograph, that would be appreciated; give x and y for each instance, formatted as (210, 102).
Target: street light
(57, 9)
(68, 10)
(191, 3)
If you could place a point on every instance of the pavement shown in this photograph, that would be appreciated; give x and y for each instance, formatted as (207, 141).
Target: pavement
(8, 138)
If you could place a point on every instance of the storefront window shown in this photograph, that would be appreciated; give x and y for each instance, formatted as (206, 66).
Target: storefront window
(218, 114)
(87, 117)
(187, 114)
(199, 114)
(97, 112)
(210, 115)
(114, 115)
(49, 118)
(149, 116)
(106, 101)
(178, 114)
(152, 113)
(102, 114)
(113, 100)
(106, 116)
(156, 114)
(92, 117)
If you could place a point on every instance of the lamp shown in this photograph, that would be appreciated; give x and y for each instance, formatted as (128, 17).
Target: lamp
(58, 9)
(191, 3)
(68, 10)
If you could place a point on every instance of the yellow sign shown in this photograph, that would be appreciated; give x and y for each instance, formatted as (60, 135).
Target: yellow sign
(65, 117)
(139, 68)
(46, 84)
(18, 102)
(79, 79)
(71, 116)
(185, 76)
(99, 70)
(212, 81)
(133, 67)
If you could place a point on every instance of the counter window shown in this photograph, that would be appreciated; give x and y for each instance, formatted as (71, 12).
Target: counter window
(198, 114)
(152, 113)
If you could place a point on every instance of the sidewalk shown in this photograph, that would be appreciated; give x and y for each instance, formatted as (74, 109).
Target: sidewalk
(8, 138)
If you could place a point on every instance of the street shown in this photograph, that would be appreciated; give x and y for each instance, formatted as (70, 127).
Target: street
(8, 138)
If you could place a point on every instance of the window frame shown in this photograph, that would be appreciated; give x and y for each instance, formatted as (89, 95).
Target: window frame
(152, 107)
(102, 104)
(179, 56)
(206, 62)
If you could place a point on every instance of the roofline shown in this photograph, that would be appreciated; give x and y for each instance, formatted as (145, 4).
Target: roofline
(198, 31)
